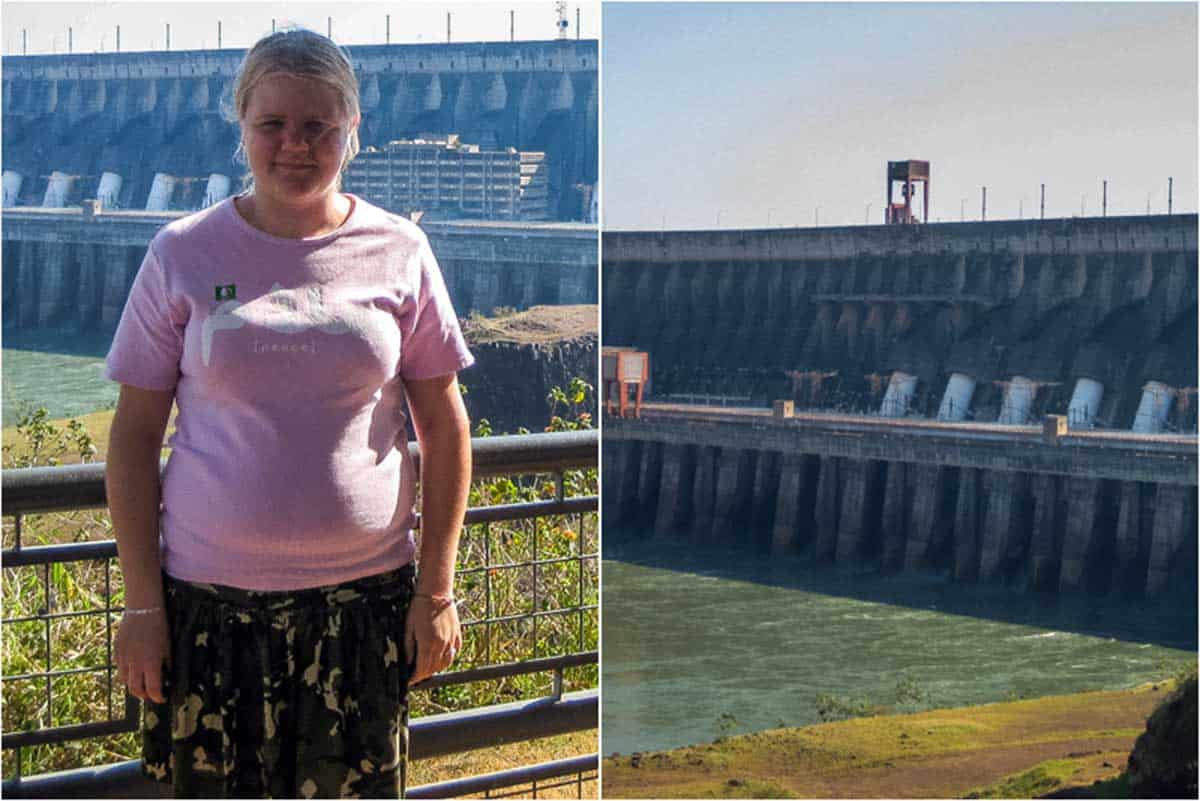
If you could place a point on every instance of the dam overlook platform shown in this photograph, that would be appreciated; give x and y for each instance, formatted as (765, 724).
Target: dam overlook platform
(921, 361)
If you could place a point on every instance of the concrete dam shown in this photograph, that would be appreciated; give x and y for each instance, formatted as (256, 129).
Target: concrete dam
(921, 361)
(68, 270)
(105, 125)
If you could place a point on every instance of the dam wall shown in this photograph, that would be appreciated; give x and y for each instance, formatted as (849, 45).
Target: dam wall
(828, 317)
(139, 114)
(1089, 512)
(67, 271)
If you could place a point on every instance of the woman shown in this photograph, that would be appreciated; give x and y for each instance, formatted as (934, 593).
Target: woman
(274, 626)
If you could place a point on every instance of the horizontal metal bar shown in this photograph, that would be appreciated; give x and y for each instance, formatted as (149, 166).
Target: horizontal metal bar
(558, 560)
(474, 785)
(530, 615)
(77, 731)
(511, 669)
(107, 549)
(435, 735)
(47, 489)
(485, 727)
(54, 674)
(517, 511)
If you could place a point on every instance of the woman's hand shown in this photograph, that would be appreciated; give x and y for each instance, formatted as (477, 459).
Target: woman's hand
(435, 635)
(142, 649)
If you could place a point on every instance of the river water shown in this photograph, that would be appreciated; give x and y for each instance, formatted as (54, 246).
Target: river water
(692, 634)
(62, 372)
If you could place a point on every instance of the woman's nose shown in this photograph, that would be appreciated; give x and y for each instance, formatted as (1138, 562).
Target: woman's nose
(294, 138)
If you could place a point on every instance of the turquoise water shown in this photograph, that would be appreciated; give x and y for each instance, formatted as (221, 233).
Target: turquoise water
(63, 373)
(692, 633)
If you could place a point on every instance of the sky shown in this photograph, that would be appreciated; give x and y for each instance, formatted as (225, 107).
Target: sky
(194, 24)
(736, 115)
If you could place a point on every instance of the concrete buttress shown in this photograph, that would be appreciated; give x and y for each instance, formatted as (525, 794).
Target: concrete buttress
(966, 526)
(1081, 526)
(1170, 529)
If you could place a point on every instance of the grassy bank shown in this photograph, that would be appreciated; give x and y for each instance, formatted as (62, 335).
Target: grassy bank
(1005, 749)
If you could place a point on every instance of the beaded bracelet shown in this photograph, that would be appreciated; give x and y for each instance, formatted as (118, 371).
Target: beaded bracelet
(441, 601)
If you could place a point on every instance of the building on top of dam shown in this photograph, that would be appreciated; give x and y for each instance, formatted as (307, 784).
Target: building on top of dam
(446, 178)
(151, 130)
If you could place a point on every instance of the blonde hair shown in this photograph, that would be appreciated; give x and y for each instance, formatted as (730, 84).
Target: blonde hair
(305, 54)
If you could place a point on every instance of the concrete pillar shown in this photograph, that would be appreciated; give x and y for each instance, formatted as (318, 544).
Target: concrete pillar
(827, 510)
(728, 524)
(649, 475)
(997, 527)
(703, 493)
(854, 525)
(929, 483)
(1082, 499)
(1045, 542)
(675, 488)
(627, 482)
(29, 285)
(762, 498)
(786, 533)
(1170, 530)
(966, 526)
(895, 509)
(52, 276)
(1126, 574)
(115, 266)
(87, 294)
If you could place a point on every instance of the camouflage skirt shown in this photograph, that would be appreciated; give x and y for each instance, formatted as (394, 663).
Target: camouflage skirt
(284, 694)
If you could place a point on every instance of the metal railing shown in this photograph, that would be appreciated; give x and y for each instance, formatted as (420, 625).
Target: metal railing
(528, 579)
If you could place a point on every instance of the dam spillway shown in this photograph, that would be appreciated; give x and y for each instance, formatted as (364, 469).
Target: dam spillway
(876, 334)
(75, 122)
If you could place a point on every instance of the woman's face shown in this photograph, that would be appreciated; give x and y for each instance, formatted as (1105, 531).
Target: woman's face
(295, 132)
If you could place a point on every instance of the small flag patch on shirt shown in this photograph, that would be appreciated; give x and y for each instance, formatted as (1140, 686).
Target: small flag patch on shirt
(226, 291)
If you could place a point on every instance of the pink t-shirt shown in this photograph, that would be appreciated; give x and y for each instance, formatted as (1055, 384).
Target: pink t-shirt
(288, 466)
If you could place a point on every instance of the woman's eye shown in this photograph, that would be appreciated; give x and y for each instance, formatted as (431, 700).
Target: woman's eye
(271, 124)
(315, 127)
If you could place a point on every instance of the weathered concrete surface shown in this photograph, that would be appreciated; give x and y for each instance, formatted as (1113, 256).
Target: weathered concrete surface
(141, 113)
(821, 315)
(67, 272)
(959, 503)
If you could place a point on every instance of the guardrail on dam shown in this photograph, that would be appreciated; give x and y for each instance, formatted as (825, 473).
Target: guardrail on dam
(920, 355)
(137, 114)
(67, 271)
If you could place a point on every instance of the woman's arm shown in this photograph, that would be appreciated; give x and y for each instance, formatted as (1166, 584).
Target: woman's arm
(444, 434)
(132, 481)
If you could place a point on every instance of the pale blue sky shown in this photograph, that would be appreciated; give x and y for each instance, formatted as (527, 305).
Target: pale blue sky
(747, 113)
(194, 24)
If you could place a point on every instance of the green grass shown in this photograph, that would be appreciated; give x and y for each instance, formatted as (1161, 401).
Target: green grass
(1032, 783)
(492, 558)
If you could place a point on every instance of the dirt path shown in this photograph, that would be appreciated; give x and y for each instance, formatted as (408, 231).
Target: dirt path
(937, 754)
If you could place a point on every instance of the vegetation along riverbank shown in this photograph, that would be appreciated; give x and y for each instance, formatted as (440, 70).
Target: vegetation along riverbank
(1015, 749)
